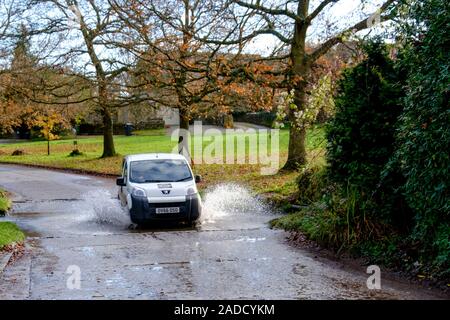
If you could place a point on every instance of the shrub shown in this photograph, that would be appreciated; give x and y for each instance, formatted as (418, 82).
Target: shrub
(18, 152)
(75, 153)
(361, 135)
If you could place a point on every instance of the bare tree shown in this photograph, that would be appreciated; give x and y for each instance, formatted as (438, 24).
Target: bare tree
(176, 69)
(10, 12)
(80, 36)
(292, 23)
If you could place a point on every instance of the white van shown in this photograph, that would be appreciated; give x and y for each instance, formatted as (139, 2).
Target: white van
(158, 187)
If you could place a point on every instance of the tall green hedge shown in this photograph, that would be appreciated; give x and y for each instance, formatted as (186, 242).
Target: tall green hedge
(361, 135)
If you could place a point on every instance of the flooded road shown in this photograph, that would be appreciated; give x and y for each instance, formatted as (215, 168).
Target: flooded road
(74, 222)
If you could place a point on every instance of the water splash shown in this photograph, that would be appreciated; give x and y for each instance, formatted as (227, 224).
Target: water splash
(222, 202)
(102, 208)
(229, 200)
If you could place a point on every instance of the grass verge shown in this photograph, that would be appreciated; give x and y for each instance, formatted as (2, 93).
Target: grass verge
(9, 232)
(5, 203)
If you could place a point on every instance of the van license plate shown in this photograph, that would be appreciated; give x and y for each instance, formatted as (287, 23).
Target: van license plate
(167, 210)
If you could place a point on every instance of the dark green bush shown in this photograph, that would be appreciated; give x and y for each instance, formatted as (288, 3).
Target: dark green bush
(361, 135)
(75, 153)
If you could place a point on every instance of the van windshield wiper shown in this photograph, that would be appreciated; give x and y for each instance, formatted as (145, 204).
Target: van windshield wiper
(184, 179)
(167, 181)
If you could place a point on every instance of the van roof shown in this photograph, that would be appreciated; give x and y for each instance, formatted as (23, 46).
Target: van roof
(154, 156)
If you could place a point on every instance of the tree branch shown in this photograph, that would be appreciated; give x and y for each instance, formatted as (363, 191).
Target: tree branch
(319, 9)
(276, 12)
(361, 25)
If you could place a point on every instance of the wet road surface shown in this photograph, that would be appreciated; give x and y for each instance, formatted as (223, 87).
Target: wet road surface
(74, 220)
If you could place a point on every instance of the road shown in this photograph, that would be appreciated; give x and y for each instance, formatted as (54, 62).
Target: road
(75, 224)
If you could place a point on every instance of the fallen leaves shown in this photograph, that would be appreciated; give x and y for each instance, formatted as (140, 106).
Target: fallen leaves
(17, 250)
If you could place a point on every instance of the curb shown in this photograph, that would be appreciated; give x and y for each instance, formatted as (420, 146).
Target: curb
(4, 260)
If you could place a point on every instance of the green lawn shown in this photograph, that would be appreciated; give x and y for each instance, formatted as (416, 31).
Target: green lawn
(156, 141)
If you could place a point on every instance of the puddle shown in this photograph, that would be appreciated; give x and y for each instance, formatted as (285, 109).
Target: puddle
(251, 240)
(88, 251)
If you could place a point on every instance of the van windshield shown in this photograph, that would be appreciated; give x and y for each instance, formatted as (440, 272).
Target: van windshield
(149, 171)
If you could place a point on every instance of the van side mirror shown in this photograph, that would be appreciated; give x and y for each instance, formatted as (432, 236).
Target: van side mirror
(121, 182)
(198, 179)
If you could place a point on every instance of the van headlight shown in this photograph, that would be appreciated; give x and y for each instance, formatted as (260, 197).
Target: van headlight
(138, 193)
(191, 191)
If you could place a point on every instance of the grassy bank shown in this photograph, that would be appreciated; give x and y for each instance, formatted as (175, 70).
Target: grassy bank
(9, 232)
(5, 203)
(279, 186)
(347, 222)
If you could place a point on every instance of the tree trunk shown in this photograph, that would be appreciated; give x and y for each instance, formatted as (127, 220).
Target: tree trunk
(297, 150)
(300, 69)
(228, 121)
(108, 140)
(183, 142)
(184, 119)
(297, 133)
